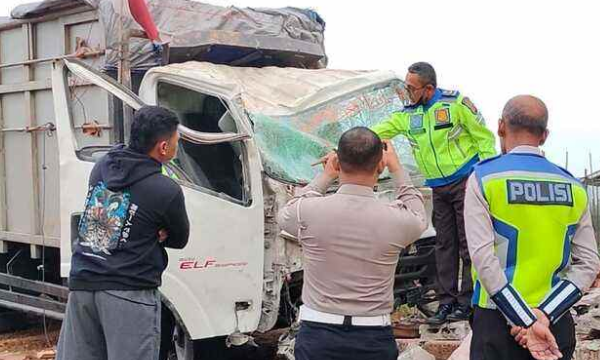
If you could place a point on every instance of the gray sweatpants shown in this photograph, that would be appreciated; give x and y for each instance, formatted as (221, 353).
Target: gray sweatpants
(111, 325)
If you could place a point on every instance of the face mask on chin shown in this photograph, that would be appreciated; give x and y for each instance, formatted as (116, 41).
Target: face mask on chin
(418, 101)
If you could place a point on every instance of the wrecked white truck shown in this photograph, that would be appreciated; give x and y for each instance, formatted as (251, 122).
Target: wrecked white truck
(250, 133)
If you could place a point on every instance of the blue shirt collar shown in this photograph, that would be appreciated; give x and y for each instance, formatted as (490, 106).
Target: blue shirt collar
(436, 96)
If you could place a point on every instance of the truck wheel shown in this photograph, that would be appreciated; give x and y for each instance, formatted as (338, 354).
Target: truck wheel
(174, 344)
(183, 346)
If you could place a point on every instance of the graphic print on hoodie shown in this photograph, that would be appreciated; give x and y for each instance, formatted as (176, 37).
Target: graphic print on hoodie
(107, 220)
(129, 201)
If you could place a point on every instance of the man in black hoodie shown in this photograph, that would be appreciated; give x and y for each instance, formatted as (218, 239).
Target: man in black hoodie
(132, 213)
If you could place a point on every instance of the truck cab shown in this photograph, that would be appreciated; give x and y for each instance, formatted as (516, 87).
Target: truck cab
(248, 139)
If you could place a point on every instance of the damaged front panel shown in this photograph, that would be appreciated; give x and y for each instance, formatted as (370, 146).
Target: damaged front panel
(283, 257)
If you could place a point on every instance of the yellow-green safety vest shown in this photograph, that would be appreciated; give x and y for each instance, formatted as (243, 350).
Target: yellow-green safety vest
(448, 136)
(535, 207)
(170, 173)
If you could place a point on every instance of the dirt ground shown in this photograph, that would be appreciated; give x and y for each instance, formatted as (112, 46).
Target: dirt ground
(26, 344)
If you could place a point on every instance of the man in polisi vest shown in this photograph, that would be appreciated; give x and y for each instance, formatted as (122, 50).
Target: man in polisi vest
(448, 137)
(531, 241)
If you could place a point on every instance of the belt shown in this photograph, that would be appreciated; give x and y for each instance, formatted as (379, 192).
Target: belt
(308, 314)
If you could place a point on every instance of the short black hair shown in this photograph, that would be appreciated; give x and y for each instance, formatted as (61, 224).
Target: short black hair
(526, 113)
(359, 150)
(150, 125)
(425, 71)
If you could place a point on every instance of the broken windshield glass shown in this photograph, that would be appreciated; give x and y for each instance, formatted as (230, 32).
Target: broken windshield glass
(290, 144)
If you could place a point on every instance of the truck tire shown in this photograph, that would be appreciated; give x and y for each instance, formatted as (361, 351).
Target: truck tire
(174, 343)
(184, 348)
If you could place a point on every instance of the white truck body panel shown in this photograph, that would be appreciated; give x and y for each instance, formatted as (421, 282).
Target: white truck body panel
(225, 254)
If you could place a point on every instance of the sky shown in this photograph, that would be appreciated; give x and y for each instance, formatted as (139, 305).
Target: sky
(488, 50)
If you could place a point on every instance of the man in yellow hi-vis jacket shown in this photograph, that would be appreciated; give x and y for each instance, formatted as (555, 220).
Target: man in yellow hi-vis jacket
(448, 137)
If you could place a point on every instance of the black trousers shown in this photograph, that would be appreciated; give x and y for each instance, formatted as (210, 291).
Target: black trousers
(492, 339)
(451, 244)
(317, 341)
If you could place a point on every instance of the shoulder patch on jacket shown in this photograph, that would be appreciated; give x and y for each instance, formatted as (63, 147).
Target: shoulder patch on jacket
(450, 93)
(469, 104)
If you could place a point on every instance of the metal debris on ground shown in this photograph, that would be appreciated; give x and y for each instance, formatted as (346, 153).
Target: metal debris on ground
(439, 341)
(587, 350)
(406, 321)
(287, 342)
(591, 299)
(587, 316)
(588, 325)
(463, 351)
(406, 330)
(440, 349)
(448, 331)
(415, 352)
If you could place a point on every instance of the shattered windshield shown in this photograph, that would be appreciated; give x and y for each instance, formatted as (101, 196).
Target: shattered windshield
(290, 144)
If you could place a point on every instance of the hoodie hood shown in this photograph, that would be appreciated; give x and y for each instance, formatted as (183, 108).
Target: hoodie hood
(123, 167)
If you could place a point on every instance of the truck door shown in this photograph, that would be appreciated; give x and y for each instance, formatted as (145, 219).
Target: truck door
(214, 285)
